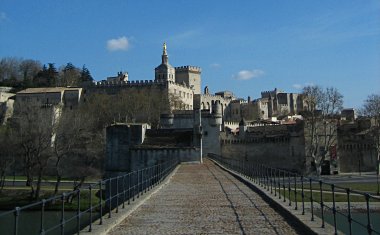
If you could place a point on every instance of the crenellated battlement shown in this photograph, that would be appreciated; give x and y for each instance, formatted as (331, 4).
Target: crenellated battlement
(257, 140)
(137, 83)
(239, 101)
(275, 91)
(236, 124)
(129, 83)
(213, 96)
(231, 123)
(267, 92)
(179, 84)
(188, 68)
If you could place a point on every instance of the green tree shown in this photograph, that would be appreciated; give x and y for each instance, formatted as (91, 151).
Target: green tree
(85, 75)
(47, 77)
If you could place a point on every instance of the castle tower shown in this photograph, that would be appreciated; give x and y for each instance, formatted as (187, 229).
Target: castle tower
(191, 76)
(164, 72)
(270, 106)
(242, 128)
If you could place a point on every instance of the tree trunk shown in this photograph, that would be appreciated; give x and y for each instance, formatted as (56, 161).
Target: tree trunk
(378, 163)
(57, 183)
(2, 180)
(38, 189)
(76, 187)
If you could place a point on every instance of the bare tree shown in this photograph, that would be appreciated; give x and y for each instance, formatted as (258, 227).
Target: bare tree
(29, 69)
(322, 108)
(130, 106)
(67, 132)
(70, 75)
(33, 130)
(6, 153)
(371, 109)
(9, 68)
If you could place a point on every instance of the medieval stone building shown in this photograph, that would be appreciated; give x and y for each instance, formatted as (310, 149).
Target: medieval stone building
(272, 104)
(175, 83)
(6, 104)
(356, 147)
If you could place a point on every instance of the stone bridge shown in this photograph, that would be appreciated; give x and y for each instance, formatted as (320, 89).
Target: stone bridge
(204, 199)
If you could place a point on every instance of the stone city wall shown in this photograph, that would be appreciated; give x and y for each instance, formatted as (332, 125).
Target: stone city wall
(285, 153)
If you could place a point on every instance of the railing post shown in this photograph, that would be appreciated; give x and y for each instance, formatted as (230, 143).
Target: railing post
(146, 178)
(63, 214)
(275, 182)
(149, 178)
(16, 215)
(123, 191)
(134, 186)
(322, 204)
(138, 183)
(369, 225)
(110, 198)
(142, 181)
(117, 194)
(279, 183)
(42, 230)
(311, 200)
(259, 174)
(90, 191)
(295, 192)
(78, 212)
(334, 208)
(129, 188)
(283, 185)
(100, 203)
(302, 196)
(270, 180)
(267, 177)
(289, 190)
(349, 217)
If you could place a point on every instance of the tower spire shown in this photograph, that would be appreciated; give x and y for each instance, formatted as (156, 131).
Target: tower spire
(164, 49)
(165, 59)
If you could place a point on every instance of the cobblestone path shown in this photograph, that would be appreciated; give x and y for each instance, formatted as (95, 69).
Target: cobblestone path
(204, 199)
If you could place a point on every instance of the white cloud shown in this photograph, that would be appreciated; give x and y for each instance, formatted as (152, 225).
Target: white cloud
(119, 44)
(248, 74)
(297, 86)
(215, 65)
(301, 86)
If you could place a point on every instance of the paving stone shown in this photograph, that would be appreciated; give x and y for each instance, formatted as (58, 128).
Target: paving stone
(204, 199)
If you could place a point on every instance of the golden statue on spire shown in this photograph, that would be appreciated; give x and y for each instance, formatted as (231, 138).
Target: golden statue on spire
(164, 47)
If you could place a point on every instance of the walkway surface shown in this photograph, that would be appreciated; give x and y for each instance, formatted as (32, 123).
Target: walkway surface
(204, 199)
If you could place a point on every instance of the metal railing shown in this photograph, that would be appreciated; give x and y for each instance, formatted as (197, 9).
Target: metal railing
(113, 193)
(297, 190)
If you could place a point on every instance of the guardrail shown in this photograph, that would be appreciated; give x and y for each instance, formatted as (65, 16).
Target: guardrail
(292, 187)
(116, 191)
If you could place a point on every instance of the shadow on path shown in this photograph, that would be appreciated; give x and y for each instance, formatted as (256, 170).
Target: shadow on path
(229, 200)
(253, 203)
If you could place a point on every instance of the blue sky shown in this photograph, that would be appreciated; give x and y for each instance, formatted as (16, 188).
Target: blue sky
(244, 46)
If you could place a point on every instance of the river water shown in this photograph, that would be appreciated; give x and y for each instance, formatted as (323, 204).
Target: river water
(30, 222)
(343, 225)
